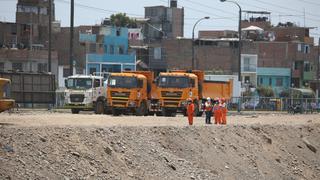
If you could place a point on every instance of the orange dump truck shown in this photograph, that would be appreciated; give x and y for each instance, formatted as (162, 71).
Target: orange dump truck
(175, 87)
(129, 92)
(5, 102)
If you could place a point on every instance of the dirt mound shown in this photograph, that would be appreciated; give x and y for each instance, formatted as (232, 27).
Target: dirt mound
(215, 152)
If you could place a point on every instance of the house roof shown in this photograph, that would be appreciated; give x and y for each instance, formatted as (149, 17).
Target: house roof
(263, 71)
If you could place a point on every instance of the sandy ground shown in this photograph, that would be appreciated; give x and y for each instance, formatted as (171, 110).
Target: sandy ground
(60, 118)
(41, 144)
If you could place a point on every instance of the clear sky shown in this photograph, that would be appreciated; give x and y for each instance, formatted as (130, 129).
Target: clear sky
(223, 15)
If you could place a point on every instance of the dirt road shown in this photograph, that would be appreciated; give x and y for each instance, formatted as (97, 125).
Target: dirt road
(28, 118)
(58, 145)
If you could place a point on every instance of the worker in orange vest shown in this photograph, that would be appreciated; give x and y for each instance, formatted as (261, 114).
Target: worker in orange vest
(208, 110)
(224, 111)
(190, 111)
(216, 111)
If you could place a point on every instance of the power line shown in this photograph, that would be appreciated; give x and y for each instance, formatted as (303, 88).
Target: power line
(284, 7)
(311, 2)
(209, 7)
(200, 11)
(96, 8)
(258, 7)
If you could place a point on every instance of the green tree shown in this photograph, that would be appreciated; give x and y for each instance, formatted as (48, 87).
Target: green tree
(122, 20)
(265, 91)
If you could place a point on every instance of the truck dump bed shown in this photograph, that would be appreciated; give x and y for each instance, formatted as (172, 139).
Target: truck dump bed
(215, 89)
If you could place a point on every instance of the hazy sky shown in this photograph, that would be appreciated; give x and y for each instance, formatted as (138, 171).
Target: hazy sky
(223, 15)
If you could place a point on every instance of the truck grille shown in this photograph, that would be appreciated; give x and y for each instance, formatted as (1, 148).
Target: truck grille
(76, 97)
(174, 94)
(120, 94)
(119, 103)
(171, 103)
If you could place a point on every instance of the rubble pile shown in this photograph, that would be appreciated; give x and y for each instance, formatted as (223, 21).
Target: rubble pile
(207, 152)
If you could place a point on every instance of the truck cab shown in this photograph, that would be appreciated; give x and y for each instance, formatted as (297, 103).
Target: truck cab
(85, 93)
(173, 90)
(6, 102)
(127, 92)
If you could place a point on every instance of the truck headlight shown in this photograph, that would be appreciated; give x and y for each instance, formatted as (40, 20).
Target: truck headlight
(184, 103)
(132, 103)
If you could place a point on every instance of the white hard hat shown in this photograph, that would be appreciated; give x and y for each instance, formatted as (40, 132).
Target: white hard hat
(208, 98)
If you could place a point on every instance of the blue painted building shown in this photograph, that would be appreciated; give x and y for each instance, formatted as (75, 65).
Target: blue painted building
(109, 51)
(277, 78)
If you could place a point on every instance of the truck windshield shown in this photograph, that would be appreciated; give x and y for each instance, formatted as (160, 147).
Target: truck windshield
(173, 82)
(122, 82)
(79, 83)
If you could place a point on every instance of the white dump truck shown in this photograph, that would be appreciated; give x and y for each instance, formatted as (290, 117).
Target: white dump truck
(86, 93)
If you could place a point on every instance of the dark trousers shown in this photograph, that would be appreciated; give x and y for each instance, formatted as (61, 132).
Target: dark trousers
(208, 117)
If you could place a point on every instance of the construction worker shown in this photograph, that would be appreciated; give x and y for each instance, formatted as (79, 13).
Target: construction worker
(208, 110)
(190, 111)
(216, 111)
(224, 111)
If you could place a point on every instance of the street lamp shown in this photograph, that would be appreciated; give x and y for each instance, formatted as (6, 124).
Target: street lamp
(239, 32)
(193, 63)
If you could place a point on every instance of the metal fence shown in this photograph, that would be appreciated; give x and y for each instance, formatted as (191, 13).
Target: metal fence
(31, 89)
(303, 105)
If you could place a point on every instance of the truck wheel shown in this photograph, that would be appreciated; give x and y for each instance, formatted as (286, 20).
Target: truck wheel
(142, 110)
(75, 111)
(159, 114)
(116, 112)
(169, 112)
(99, 107)
(184, 112)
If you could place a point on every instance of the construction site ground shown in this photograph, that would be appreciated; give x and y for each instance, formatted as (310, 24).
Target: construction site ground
(55, 144)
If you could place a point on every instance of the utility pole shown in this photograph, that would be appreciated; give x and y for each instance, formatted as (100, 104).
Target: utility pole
(318, 70)
(71, 38)
(50, 36)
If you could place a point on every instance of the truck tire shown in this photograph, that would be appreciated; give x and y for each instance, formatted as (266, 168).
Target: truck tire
(169, 112)
(99, 109)
(116, 112)
(197, 112)
(75, 111)
(142, 109)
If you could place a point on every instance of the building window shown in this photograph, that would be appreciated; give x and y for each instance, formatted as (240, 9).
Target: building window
(157, 53)
(247, 79)
(118, 32)
(92, 48)
(1, 66)
(92, 70)
(42, 67)
(43, 11)
(66, 72)
(307, 66)
(299, 47)
(17, 66)
(270, 82)
(111, 49)
(121, 50)
(279, 82)
(261, 80)
(306, 49)
(249, 63)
